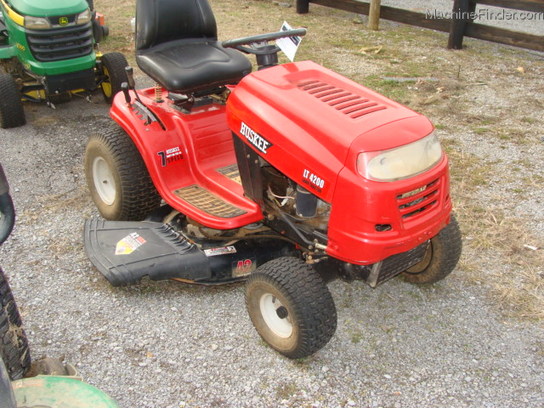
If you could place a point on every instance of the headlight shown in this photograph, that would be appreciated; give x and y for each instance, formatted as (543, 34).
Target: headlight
(36, 23)
(84, 17)
(401, 162)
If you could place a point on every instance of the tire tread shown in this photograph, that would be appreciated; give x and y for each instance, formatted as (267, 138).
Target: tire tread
(115, 62)
(14, 348)
(449, 243)
(139, 196)
(310, 298)
(12, 113)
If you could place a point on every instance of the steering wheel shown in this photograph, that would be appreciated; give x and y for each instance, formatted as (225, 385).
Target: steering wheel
(256, 44)
(7, 212)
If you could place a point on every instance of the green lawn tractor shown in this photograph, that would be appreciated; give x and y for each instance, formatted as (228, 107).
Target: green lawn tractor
(49, 51)
(47, 382)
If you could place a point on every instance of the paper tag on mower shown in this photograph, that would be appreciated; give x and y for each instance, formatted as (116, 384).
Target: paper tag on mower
(290, 45)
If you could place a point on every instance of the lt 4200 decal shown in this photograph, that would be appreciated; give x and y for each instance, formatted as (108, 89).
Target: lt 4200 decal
(315, 182)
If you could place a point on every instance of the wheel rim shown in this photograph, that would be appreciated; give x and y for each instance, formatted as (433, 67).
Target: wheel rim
(425, 262)
(276, 315)
(104, 181)
(106, 84)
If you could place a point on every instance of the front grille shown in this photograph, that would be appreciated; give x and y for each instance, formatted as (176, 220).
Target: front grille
(419, 200)
(61, 43)
(355, 106)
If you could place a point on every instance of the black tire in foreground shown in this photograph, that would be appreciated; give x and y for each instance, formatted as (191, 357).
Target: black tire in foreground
(117, 178)
(7, 216)
(441, 257)
(12, 113)
(13, 342)
(113, 68)
(291, 307)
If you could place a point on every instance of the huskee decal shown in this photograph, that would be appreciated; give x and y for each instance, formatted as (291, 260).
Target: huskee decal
(254, 138)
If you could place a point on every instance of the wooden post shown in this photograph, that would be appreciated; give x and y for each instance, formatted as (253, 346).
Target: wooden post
(459, 20)
(303, 6)
(374, 15)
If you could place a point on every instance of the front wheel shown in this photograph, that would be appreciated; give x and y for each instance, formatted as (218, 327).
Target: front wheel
(291, 307)
(12, 113)
(441, 256)
(117, 177)
(114, 74)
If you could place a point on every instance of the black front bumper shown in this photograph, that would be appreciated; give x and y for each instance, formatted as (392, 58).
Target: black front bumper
(69, 82)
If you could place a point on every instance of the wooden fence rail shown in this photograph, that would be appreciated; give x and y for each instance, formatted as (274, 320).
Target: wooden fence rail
(458, 27)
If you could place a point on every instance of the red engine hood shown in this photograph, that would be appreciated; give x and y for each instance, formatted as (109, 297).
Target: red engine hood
(310, 117)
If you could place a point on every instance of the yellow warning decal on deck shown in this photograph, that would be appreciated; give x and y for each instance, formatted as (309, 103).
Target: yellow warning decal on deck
(129, 244)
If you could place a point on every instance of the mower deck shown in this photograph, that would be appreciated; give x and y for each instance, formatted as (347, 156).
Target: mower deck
(126, 251)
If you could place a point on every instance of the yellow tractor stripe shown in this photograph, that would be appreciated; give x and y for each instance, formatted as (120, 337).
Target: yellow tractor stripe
(17, 18)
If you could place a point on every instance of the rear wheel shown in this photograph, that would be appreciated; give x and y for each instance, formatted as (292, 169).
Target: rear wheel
(13, 342)
(441, 257)
(117, 177)
(113, 69)
(12, 113)
(291, 307)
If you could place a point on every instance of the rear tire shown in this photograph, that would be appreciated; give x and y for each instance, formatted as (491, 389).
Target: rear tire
(12, 113)
(117, 178)
(113, 68)
(13, 342)
(291, 307)
(441, 257)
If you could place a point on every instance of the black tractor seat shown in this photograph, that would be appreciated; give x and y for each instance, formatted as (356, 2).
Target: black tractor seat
(176, 45)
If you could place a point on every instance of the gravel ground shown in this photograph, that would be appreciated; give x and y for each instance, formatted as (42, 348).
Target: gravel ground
(168, 345)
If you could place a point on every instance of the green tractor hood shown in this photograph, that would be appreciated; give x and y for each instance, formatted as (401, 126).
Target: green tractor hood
(41, 8)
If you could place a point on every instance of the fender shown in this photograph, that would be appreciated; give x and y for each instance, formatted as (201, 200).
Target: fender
(185, 149)
(7, 52)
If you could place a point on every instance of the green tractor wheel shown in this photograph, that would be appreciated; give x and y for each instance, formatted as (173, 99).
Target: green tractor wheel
(13, 342)
(113, 69)
(12, 113)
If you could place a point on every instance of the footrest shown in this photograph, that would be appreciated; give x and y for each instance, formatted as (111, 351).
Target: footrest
(231, 172)
(208, 202)
(124, 252)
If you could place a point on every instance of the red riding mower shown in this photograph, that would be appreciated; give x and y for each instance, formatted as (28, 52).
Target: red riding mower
(289, 177)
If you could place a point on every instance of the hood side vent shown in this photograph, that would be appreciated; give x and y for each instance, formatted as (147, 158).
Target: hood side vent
(355, 106)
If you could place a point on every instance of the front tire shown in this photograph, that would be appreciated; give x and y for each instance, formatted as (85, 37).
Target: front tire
(12, 113)
(441, 257)
(291, 307)
(117, 178)
(13, 342)
(113, 69)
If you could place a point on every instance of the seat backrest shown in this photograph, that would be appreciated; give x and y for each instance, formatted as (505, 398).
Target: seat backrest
(160, 21)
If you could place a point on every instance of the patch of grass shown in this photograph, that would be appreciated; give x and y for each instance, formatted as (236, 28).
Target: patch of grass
(395, 90)
(286, 390)
(356, 337)
(530, 121)
(480, 130)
